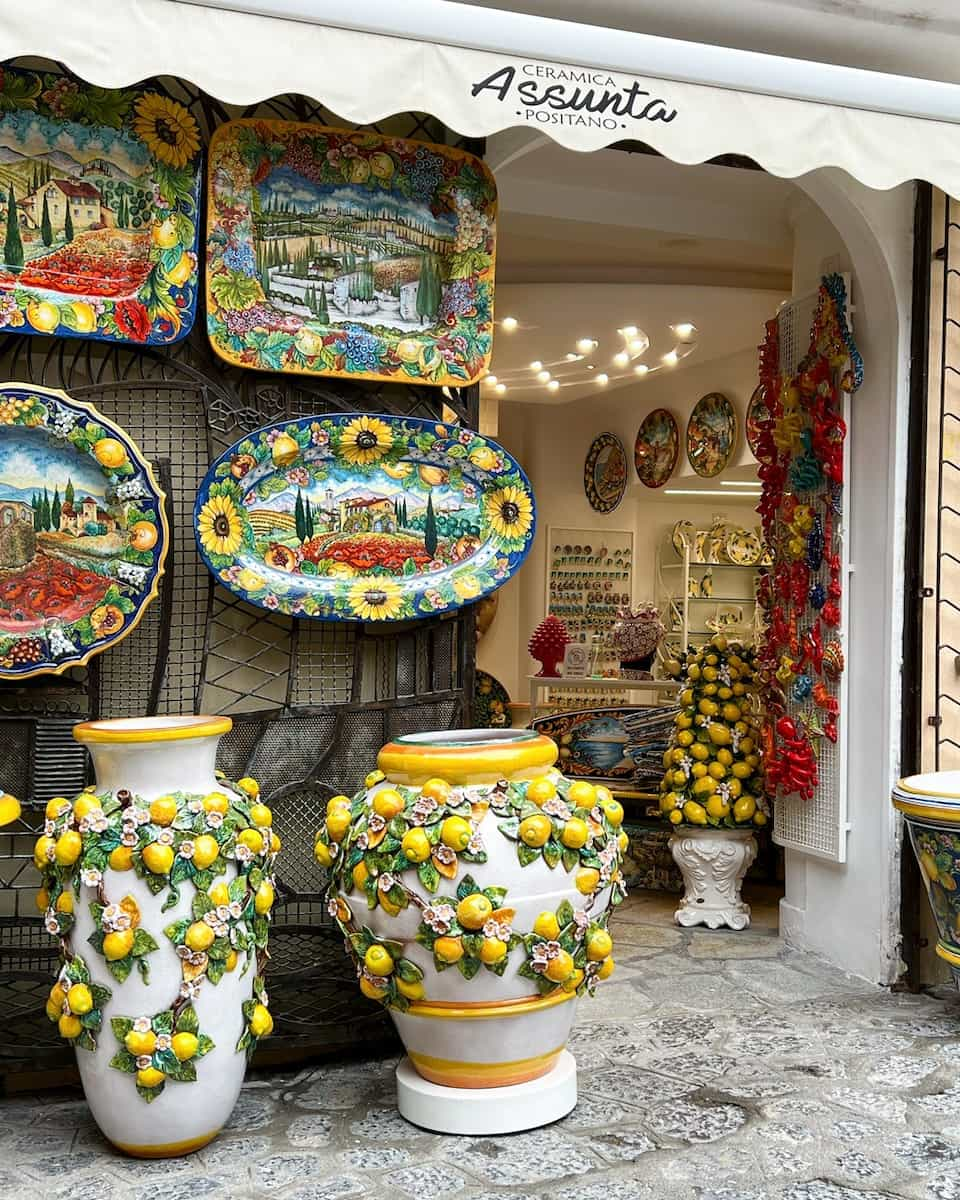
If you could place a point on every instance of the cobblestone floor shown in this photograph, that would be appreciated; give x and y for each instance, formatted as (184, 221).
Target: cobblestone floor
(715, 1066)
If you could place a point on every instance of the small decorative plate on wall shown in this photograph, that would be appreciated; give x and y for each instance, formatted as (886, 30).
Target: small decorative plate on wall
(332, 252)
(657, 447)
(711, 435)
(491, 702)
(83, 534)
(100, 192)
(605, 472)
(361, 517)
(757, 414)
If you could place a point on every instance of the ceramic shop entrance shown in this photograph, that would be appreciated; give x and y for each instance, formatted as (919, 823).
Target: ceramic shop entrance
(842, 902)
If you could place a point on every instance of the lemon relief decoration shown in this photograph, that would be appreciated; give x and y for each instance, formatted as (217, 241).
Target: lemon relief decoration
(75, 1004)
(159, 1048)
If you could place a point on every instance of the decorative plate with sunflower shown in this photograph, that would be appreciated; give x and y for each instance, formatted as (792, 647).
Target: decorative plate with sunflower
(363, 517)
(334, 252)
(83, 534)
(99, 210)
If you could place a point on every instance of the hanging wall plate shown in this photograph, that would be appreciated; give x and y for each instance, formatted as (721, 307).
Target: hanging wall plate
(491, 702)
(83, 533)
(657, 447)
(333, 252)
(100, 191)
(360, 517)
(757, 414)
(605, 472)
(711, 435)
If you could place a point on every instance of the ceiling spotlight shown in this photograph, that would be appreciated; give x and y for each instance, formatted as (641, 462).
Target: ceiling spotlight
(629, 331)
(543, 376)
(509, 324)
(602, 378)
(574, 357)
(536, 365)
(639, 345)
(641, 369)
(670, 359)
(491, 379)
(622, 359)
(685, 330)
(553, 386)
(585, 345)
(500, 388)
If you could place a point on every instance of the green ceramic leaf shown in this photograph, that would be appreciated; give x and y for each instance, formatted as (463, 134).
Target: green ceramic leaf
(163, 1022)
(527, 854)
(466, 887)
(123, 1060)
(564, 913)
(187, 1021)
(408, 971)
(150, 1094)
(143, 943)
(429, 876)
(204, 1045)
(121, 968)
(468, 967)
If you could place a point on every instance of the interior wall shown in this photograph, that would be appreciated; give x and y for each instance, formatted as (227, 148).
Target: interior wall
(551, 442)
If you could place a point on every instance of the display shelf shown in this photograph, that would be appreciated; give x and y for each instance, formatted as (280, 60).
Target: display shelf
(540, 683)
(677, 577)
(589, 577)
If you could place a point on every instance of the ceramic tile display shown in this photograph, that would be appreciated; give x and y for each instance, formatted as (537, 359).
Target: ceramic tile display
(360, 517)
(349, 254)
(656, 449)
(605, 472)
(100, 192)
(711, 435)
(83, 535)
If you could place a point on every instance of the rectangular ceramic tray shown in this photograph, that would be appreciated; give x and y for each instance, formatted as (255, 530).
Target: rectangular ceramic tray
(348, 254)
(99, 192)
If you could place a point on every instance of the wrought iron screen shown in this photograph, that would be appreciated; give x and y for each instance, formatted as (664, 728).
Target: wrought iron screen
(312, 702)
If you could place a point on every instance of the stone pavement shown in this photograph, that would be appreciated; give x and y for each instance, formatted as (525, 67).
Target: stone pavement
(713, 1066)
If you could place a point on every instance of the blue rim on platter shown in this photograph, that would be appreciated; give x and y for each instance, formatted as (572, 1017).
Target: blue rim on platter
(83, 532)
(364, 517)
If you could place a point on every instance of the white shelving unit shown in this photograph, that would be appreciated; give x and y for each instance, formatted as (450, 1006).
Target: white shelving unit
(685, 615)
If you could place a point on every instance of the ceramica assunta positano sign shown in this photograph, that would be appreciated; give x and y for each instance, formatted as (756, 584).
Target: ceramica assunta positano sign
(542, 94)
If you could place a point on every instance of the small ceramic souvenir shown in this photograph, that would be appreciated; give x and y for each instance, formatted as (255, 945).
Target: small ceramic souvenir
(682, 536)
(656, 448)
(605, 473)
(547, 643)
(744, 547)
(711, 435)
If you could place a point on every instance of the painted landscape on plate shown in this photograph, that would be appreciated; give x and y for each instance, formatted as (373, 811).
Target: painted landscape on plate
(354, 254)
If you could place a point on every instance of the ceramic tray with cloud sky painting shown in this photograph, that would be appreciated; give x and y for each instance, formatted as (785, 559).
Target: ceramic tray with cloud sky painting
(362, 517)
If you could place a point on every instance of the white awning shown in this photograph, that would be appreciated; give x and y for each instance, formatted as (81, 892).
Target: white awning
(243, 57)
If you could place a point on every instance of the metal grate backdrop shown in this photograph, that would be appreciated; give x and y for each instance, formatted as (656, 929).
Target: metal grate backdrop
(312, 702)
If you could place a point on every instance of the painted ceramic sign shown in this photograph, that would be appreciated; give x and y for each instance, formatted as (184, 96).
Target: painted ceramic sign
(605, 472)
(361, 517)
(100, 191)
(356, 255)
(711, 435)
(83, 534)
(656, 448)
(757, 414)
(491, 702)
(611, 743)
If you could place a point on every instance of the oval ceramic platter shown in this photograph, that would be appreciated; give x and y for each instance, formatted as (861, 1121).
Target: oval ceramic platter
(757, 415)
(83, 534)
(605, 472)
(656, 449)
(333, 252)
(362, 517)
(711, 435)
(105, 185)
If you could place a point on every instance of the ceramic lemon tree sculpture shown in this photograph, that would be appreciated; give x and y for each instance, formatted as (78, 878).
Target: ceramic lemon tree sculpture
(439, 887)
(220, 845)
(712, 790)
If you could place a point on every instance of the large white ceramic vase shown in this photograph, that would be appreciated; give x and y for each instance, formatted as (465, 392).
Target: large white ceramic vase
(473, 884)
(188, 1019)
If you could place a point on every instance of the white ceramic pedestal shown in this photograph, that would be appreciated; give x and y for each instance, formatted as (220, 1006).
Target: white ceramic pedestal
(713, 863)
(488, 1111)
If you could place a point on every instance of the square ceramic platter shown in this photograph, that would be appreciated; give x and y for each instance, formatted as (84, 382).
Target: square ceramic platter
(98, 219)
(349, 254)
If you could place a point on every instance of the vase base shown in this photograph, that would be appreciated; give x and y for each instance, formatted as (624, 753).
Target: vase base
(488, 1111)
(168, 1149)
(737, 919)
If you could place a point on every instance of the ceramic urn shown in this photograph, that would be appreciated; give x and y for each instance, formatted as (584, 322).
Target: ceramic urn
(158, 884)
(473, 885)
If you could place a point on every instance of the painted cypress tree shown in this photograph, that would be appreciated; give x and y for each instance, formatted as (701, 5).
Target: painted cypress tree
(45, 511)
(68, 493)
(68, 225)
(12, 246)
(430, 529)
(46, 229)
(55, 510)
(308, 518)
(35, 505)
(299, 518)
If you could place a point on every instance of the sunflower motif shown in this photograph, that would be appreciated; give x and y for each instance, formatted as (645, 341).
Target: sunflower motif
(220, 526)
(365, 440)
(166, 129)
(376, 599)
(510, 512)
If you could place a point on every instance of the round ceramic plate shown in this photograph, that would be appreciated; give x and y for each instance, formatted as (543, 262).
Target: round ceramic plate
(656, 449)
(681, 536)
(744, 547)
(83, 534)
(491, 703)
(355, 516)
(757, 415)
(605, 472)
(711, 435)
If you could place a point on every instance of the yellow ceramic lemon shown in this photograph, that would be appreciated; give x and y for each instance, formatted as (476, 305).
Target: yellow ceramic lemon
(416, 845)
(121, 858)
(535, 831)
(456, 833)
(474, 910)
(80, 999)
(118, 944)
(164, 233)
(388, 803)
(199, 936)
(448, 949)
(184, 1045)
(575, 833)
(284, 450)
(163, 810)
(43, 315)
(68, 848)
(109, 453)
(140, 1043)
(205, 851)
(547, 926)
(84, 317)
(377, 960)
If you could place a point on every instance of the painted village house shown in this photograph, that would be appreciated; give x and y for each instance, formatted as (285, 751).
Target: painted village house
(87, 210)
(376, 515)
(85, 517)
